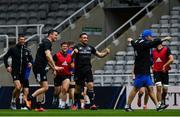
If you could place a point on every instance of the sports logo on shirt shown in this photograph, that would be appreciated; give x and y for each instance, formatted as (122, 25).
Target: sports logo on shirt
(65, 63)
(158, 60)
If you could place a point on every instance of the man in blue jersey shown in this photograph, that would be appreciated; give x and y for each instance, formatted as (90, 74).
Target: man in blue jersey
(142, 67)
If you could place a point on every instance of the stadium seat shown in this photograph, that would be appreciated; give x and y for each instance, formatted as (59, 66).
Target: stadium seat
(118, 67)
(164, 21)
(33, 7)
(123, 53)
(165, 17)
(121, 62)
(12, 8)
(119, 57)
(108, 67)
(22, 7)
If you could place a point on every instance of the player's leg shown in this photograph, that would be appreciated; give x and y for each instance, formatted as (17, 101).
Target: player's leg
(158, 92)
(140, 94)
(90, 88)
(82, 100)
(137, 85)
(165, 82)
(91, 95)
(130, 99)
(25, 85)
(77, 94)
(43, 88)
(57, 90)
(164, 93)
(149, 86)
(146, 98)
(15, 93)
(39, 94)
(79, 85)
(65, 87)
(40, 100)
(158, 83)
(71, 93)
(41, 78)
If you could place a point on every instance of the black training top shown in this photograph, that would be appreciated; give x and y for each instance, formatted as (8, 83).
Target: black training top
(142, 55)
(83, 57)
(41, 60)
(21, 56)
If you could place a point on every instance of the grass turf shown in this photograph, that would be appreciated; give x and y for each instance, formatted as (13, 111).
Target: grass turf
(101, 112)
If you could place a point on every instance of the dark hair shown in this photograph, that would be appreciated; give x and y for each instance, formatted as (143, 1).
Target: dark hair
(52, 31)
(64, 43)
(82, 34)
(20, 35)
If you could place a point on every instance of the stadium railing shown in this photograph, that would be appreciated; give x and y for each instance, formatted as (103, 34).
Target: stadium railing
(70, 18)
(7, 45)
(129, 22)
(127, 79)
(83, 9)
(17, 28)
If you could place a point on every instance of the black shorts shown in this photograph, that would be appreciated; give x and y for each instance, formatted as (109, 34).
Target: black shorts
(162, 77)
(58, 80)
(40, 74)
(83, 76)
(21, 78)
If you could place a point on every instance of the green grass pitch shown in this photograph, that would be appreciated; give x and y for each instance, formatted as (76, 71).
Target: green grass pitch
(100, 112)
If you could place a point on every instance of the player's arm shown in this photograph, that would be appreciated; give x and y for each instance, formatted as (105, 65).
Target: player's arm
(30, 58)
(170, 60)
(6, 56)
(74, 52)
(50, 60)
(155, 42)
(103, 53)
(133, 75)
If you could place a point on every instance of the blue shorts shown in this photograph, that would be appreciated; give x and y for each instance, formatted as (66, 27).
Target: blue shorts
(143, 81)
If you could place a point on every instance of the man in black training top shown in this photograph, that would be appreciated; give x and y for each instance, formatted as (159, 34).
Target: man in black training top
(43, 58)
(83, 74)
(21, 59)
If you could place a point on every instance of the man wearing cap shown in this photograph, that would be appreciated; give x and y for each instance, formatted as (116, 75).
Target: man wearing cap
(142, 67)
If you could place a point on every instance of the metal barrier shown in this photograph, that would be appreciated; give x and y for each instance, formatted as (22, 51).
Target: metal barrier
(112, 35)
(17, 27)
(83, 9)
(7, 45)
(127, 79)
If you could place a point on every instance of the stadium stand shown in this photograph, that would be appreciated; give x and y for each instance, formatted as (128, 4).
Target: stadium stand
(50, 13)
(169, 25)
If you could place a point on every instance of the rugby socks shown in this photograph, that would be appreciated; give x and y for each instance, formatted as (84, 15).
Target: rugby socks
(30, 97)
(91, 95)
(38, 105)
(163, 98)
(13, 100)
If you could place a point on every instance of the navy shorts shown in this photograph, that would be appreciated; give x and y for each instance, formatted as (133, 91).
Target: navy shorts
(83, 76)
(162, 77)
(40, 74)
(58, 80)
(21, 78)
(143, 81)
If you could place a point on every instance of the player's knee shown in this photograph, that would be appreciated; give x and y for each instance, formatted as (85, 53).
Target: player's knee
(46, 88)
(18, 87)
(141, 93)
(64, 90)
(165, 88)
(90, 86)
